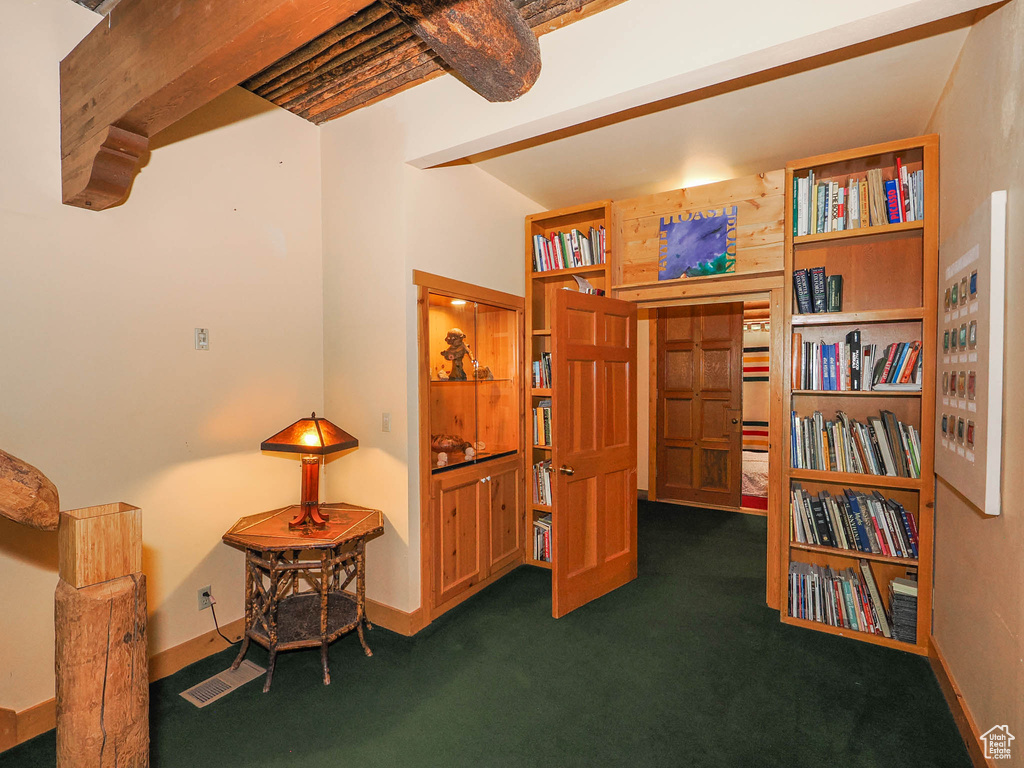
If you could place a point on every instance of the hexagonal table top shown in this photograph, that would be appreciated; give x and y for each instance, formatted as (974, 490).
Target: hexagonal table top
(269, 531)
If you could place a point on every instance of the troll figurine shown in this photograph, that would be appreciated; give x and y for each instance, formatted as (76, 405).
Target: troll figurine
(457, 349)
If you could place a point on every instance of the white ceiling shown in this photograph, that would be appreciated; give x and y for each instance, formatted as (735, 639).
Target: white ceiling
(873, 97)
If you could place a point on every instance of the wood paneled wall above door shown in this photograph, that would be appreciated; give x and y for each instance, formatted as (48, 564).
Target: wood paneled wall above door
(699, 428)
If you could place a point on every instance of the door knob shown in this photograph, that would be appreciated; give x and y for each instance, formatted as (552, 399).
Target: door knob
(566, 470)
(735, 421)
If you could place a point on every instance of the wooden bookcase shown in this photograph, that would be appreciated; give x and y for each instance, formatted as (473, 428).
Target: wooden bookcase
(889, 293)
(540, 290)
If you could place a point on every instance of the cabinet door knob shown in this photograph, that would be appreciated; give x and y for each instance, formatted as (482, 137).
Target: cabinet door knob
(565, 469)
(735, 421)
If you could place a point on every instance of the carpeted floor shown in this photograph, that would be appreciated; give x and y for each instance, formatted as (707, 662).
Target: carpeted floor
(685, 666)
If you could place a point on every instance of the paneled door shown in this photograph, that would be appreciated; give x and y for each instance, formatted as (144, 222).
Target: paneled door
(594, 447)
(699, 433)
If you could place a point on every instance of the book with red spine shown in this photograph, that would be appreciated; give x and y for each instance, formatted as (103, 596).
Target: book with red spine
(911, 364)
(901, 175)
(890, 352)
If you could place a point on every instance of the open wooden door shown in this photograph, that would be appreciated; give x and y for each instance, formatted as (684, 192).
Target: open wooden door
(700, 431)
(594, 447)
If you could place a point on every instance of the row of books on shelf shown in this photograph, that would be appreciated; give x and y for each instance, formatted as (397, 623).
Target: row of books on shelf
(542, 483)
(566, 250)
(833, 206)
(854, 521)
(852, 366)
(542, 371)
(882, 446)
(816, 291)
(850, 599)
(542, 423)
(542, 538)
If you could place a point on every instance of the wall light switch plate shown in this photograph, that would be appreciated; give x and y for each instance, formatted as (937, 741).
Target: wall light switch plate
(385, 422)
(203, 339)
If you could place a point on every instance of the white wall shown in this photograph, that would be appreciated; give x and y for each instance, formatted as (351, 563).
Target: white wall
(646, 50)
(101, 387)
(383, 219)
(979, 568)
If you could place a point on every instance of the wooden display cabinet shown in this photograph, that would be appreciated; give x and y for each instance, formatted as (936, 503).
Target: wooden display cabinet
(889, 292)
(471, 445)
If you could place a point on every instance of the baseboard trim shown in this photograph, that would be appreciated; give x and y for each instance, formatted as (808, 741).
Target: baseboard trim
(961, 713)
(398, 621)
(167, 662)
(18, 727)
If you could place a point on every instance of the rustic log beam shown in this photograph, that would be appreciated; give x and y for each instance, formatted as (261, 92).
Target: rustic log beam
(150, 63)
(485, 42)
(26, 495)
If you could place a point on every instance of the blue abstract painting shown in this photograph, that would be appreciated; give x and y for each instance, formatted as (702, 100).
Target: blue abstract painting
(698, 243)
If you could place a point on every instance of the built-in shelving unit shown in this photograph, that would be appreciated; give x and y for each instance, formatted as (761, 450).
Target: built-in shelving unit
(889, 283)
(540, 291)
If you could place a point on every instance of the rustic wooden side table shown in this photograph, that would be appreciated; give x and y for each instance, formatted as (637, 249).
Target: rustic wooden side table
(295, 579)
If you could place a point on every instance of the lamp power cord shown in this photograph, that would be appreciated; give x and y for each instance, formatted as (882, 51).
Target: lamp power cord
(213, 611)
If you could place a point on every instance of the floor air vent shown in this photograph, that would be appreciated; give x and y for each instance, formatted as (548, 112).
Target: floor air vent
(222, 684)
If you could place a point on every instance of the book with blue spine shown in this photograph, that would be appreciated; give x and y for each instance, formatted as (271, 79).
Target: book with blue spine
(892, 202)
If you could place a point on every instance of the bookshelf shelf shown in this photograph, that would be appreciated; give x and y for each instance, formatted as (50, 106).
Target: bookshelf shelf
(853, 554)
(541, 507)
(888, 293)
(538, 563)
(846, 234)
(553, 273)
(541, 392)
(856, 393)
(906, 314)
(541, 332)
(854, 478)
(475, 382)
(864, 637)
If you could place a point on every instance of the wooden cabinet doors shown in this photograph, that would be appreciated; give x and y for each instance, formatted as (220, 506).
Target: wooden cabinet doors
(505, 516)
(478, 526)
(594, 447)
(699, 430)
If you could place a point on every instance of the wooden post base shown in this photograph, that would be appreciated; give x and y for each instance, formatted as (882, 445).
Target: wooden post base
(102, 675)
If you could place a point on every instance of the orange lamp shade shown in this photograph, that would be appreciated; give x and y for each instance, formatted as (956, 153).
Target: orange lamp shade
(312, 437)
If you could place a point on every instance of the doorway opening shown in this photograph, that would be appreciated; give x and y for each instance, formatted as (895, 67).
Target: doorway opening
(709, 407)
(713, 373)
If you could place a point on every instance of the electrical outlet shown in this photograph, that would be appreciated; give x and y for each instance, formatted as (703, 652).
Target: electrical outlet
(385, 422)
(205, 597)
(203, 339)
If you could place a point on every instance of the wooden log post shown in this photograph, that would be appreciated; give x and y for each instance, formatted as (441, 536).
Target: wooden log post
(101, 655)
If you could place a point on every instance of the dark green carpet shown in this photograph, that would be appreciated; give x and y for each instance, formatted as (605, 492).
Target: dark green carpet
(684, 666)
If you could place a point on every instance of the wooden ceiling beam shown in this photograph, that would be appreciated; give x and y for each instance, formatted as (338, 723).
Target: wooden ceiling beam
(485, 42)
(150, 63)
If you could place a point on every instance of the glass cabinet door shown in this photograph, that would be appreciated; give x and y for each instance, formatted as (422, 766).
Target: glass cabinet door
(474, 391)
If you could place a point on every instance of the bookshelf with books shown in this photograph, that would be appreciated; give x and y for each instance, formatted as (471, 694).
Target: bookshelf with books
(568, 249)
(861, 277)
